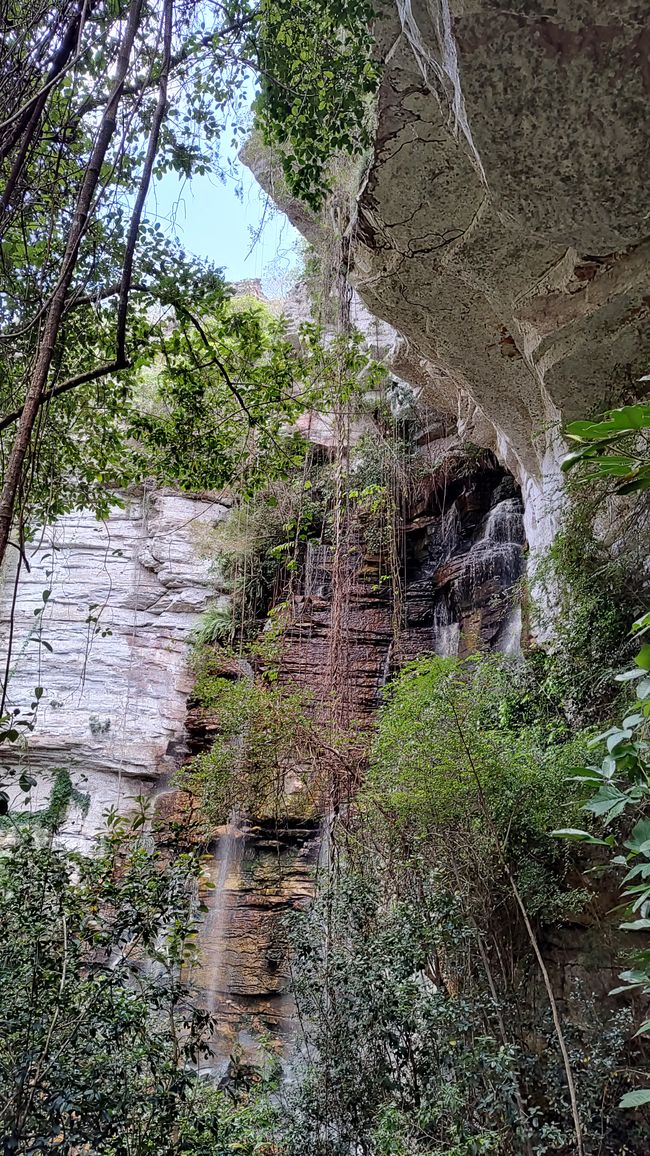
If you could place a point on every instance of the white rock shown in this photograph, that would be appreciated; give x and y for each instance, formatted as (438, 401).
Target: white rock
(123, 596)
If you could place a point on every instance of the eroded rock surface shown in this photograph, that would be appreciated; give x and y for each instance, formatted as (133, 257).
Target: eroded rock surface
(501, 227)
(110, 647)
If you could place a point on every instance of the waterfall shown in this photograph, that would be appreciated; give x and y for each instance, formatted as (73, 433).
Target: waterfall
(504, 523)
(452, 529)
(318, 570)
(444, 70)
(508, 640)
(224, 872)
(446, 632)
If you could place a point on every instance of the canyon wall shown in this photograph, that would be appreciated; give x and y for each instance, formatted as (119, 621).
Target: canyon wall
(501, 226)
(501, 223)
(102, 615)
(109, 648)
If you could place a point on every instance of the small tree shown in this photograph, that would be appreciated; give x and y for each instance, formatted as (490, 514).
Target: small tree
(99, 1040)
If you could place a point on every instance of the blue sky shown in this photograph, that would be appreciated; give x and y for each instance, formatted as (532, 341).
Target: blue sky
(219, 220)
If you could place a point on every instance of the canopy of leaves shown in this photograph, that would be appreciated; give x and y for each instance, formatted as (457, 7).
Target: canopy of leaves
(97, 101)
(318, 74)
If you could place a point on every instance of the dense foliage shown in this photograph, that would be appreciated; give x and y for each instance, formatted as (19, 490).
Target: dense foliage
(318, 74)
(417, 1044)
(98, 1037)
(622, 779)
(261, 731)
(97, 103)
(462, 761)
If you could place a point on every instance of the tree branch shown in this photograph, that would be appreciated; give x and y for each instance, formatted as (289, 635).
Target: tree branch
(219, 364)
(91, 104)
(145, 181)
(66, 386)
(52, 324)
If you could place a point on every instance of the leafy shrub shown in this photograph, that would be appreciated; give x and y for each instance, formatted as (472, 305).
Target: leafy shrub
(450, 752)
(261, 731)
(408, 1050)
(98, 1034)
(215, 625)
(622, 779)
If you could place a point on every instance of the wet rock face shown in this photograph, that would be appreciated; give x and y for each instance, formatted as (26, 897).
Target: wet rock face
(465, 558)
(501, 224)
(110, 647)
(463, 545)
(260, 874)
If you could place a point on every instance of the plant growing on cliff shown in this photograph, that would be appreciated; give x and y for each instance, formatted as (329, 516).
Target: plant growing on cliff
(622, 777)
(596, 591)
(261, 732)
(448, 745)
(319, 72)
(615, 448)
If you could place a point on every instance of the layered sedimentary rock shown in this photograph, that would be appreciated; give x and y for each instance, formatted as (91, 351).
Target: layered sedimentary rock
(261, 873)
(116, 601)
(462, 547)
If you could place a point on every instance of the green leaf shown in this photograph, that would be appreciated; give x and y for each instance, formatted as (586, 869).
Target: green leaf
(639, 838)
(641, 624)
(635, 1099)
(582, 836)
(628, 675)
(643, 657)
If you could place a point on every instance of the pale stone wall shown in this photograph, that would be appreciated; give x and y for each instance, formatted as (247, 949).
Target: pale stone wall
(501, 226)
(114, 702)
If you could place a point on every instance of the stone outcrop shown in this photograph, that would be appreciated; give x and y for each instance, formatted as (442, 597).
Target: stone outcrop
(260, 873)
(501, 224)
(462, 548)
(110, 646)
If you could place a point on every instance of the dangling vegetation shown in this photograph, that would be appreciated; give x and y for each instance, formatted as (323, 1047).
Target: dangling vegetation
(486, 824)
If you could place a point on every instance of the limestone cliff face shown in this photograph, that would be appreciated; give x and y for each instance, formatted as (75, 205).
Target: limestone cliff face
(501, 226)
(110, 647)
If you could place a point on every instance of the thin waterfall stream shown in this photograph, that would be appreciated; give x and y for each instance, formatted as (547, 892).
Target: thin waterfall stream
(224, 873)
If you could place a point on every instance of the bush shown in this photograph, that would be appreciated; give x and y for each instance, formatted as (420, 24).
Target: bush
(409, 1052)
(98, 1033)
(261, 732)
(455, 763)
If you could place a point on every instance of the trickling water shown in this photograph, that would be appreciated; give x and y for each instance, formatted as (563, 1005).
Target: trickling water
(325, 843)
(500, 562)
(224, 873)
(508, 640)
(446, 631)
(444, 70)
(318, 570)
(452, 529)
(504, 523)
(385, 674)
